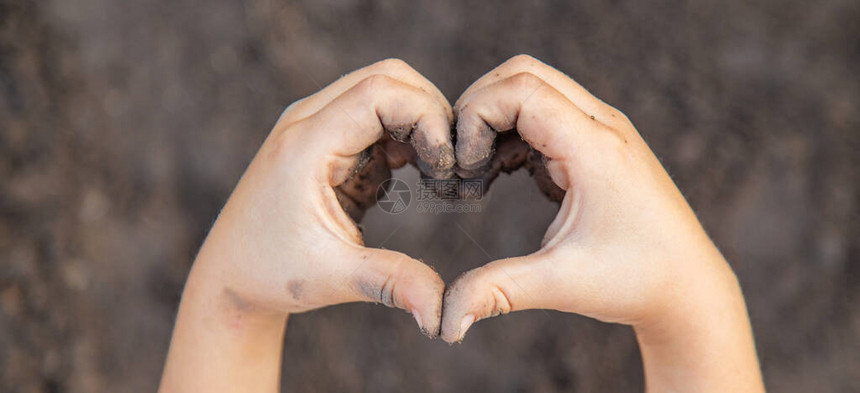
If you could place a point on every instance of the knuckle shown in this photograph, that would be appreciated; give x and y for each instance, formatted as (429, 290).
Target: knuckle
(392, 66)
(619, 116)
(621, 125)
(526, 80)
(481, 291)
(386, 292)
(285, 140)
(291, 112)
(521, 61)
(373, 84)
(612, 140)
(375, 289)
(295, 105)
(501, 301)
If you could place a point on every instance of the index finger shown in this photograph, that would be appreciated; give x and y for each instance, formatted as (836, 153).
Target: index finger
(393, 68)
(544, 117)
(357, 118)
(573, 91)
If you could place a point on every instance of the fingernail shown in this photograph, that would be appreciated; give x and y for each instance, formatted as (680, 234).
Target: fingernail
(417, 319)
(468, 320)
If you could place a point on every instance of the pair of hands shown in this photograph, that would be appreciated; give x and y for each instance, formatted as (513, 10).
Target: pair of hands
(625, 246)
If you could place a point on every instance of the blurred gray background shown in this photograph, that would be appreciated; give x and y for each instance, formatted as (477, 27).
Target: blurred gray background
(124, 126)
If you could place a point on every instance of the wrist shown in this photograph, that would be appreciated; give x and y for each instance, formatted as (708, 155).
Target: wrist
(219, 342)
(701, 339)
(703, 294)
(211, 289)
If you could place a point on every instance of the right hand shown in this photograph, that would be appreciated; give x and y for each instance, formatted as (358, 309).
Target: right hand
(625, 246)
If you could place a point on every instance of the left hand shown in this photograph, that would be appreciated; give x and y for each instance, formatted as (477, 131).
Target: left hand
(285, 244)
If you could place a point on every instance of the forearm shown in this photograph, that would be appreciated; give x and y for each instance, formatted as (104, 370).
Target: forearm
(703, 341)
(220, 344)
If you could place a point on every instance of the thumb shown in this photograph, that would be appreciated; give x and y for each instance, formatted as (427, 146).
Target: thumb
(496, 288)
(397, 280)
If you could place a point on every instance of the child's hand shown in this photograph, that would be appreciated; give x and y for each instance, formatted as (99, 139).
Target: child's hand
(284, 244)
(624, 240)
(625, 246)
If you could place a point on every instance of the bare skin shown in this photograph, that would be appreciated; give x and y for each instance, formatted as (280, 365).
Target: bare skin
(624, 248)
(283, 244)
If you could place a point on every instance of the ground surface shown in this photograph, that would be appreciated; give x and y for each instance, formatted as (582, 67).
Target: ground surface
(124, 126)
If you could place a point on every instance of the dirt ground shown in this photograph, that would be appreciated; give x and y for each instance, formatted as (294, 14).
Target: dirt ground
(125, 125)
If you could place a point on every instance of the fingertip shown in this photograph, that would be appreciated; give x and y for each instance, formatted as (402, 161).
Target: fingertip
(430, 331)
(428, 314)
(458, 314)
(465, 323)
(396, 280)
(475, 143)
(436, 161)
(434, 149)
(482, 293)
(419, 290)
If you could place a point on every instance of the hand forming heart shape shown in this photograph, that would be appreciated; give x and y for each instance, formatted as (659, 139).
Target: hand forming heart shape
(623, 239)
(625, 246)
